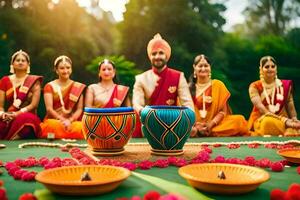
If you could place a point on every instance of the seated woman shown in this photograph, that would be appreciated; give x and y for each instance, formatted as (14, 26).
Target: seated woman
(64, 103)
(274, 112)
(106, 93)
(213, 114)
(20, 92)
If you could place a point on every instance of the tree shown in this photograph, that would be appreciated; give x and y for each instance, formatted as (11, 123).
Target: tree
(191, 27)
(270, 16)
(46, 30)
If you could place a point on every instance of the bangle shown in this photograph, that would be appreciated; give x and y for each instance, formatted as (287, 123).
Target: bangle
(23, 110)
(283, 119)
(222, 113)
(214, 121)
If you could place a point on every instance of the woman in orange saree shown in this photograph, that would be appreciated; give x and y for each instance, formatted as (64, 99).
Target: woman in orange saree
(213, 114)
(106, 93)
(64, 103)
(20, 93)
(273, 111)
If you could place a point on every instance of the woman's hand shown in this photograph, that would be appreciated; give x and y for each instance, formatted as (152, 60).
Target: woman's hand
(292, 123)
(8, 116)
(199, 130)
(67, 124)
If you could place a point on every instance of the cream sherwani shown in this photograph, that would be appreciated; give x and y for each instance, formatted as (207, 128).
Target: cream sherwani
(146, 83)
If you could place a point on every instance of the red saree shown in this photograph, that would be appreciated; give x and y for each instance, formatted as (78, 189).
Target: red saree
(27, 124)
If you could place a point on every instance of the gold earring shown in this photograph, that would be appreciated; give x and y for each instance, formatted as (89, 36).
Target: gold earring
(28, 70)
(12, 70)
(195, 76)
(209, 76)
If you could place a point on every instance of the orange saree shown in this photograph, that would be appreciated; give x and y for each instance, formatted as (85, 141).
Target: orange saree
(71, 95)
(231, 125)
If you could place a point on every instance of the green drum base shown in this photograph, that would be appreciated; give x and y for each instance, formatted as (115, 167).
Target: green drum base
(159, 152)
(105, 152)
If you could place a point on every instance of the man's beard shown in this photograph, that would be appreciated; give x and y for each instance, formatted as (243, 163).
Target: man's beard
(160, 64)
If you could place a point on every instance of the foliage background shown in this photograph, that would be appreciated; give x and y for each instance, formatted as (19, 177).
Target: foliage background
(46, 30)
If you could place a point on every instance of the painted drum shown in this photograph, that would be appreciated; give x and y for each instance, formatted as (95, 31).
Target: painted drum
(167, 128)
(107, 130)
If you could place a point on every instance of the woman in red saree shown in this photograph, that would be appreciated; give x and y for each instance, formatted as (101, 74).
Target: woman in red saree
(213, 114)
(20, 93)
(273, 111)
(64, 103)
(106, 93)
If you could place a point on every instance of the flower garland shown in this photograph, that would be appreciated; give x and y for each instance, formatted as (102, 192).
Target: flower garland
(81, 158)
(48, 144)
(15, 170)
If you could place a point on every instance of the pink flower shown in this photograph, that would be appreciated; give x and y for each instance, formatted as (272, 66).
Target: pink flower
(233, 146)
(293, 192)
(203, 155)
(277, 167)
(27, 196)
(220, 159)
(263, 163)
(172, 160)
(3, 194)
(18, 174)
(253, 145)
(130, 166)
(277, 194)
(136, 198)
(151, 195)
(208, 150)
(250, 160)
(28, 176)
(271, 146)
(162, 163)
(181, 162)
(12, 170)
(146, 164)
(19, 162)
(171, 197)
(43, 161)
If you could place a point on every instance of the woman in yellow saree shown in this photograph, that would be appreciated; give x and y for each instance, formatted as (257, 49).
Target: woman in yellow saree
(213, 114)
(273, 111)
(64, 103)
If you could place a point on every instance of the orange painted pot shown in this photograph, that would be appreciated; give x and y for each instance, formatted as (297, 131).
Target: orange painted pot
(107, 130)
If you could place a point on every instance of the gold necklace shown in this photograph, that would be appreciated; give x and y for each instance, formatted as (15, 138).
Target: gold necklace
(106, 89)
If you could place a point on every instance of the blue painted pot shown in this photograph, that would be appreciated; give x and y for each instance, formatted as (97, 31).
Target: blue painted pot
(167, 128)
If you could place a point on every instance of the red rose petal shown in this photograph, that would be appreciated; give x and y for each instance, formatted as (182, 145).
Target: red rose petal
(293, 192)
(277, 167)
(27, 196)
(277, 194)
(151, 195)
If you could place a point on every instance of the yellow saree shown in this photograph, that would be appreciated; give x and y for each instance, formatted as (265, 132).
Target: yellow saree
(231, 125)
